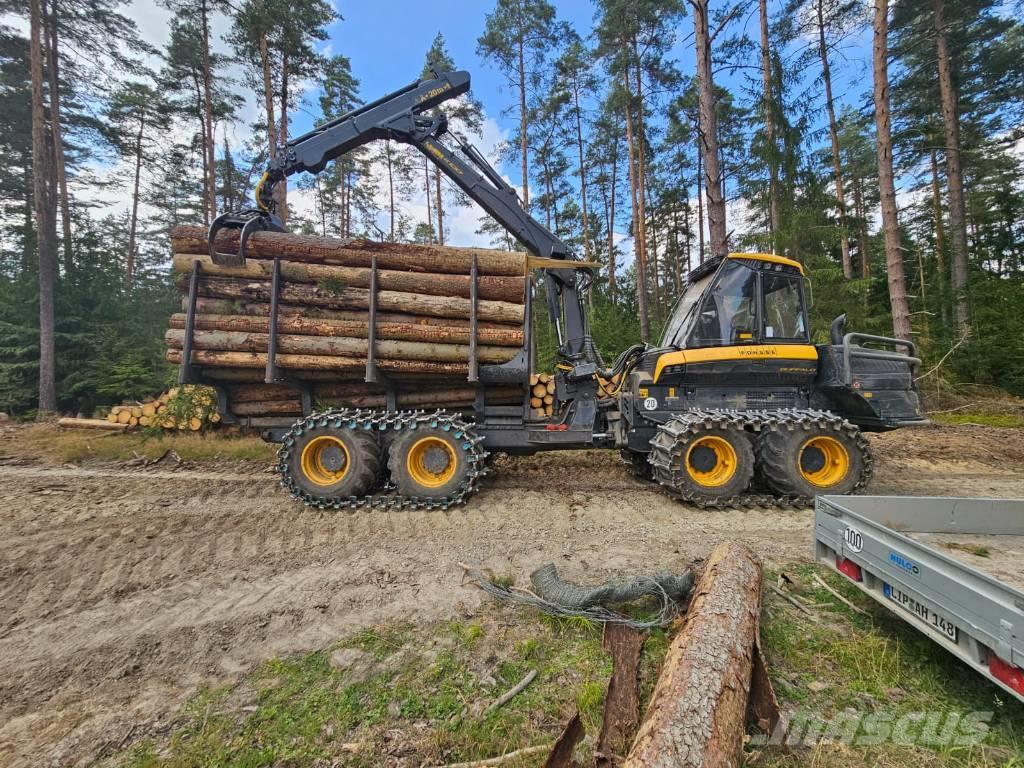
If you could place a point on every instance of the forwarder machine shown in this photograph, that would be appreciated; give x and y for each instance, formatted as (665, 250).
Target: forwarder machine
(735, 405)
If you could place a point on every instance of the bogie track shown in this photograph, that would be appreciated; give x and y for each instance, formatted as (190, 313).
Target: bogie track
(383, 426)
(768, 430)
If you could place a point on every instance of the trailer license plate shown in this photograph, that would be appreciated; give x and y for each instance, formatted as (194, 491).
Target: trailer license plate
(936, 621)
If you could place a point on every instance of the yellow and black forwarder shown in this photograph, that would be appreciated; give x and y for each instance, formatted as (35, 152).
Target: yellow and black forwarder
(735, 406)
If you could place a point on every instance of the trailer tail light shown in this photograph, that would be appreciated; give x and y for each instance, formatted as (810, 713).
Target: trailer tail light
(1006, 673)
(850, 568)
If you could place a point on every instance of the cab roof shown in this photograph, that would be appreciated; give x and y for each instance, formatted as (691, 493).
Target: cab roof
(769, 257)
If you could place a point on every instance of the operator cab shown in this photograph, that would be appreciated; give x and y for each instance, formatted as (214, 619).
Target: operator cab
(744, 299)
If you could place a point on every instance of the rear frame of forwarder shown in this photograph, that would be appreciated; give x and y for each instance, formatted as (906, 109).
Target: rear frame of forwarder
(735, 397)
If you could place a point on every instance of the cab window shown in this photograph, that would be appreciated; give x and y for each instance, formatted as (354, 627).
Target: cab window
(728, 313)
(783, 308)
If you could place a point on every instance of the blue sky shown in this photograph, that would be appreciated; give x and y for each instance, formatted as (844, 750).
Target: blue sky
(387, 43)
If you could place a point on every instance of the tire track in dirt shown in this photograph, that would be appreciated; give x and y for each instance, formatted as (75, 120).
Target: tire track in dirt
(121, 590)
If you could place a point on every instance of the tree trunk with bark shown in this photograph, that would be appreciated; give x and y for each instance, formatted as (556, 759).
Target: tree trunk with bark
(57, 133)
(281, 190)
(640, 156)
(439, 205)
(954, 172)
(833, 130)
(523, 120)
(210, 181)
(708, 132)
(216, 358)
(268, 96)
(862, 229)
(45, 217)
(700, 202)
(940, 239)
(507, 336)
(356, 298)
(697, 714)
(769, 126)
(313, 249)
(208, 306)
(129, 262)
(637, 214)
(611, 223)
(887, 187)
(588, 250)
(426, 186)
(488, 287)
(336, 346)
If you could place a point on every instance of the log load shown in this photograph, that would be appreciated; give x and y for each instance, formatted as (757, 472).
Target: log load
(488, 287)
(422, 332)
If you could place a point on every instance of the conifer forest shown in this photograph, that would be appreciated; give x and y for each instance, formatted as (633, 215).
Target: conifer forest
(878, 142)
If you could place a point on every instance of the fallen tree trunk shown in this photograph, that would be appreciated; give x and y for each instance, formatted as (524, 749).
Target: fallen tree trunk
(102, 424)
(232, 341)
(213, 306)
(357, 298)
(510, 337)
(511, 289)
(311, 363)
(697, 714)
(354, 253)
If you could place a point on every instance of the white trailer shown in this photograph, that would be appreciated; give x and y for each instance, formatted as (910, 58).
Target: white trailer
(888, 546)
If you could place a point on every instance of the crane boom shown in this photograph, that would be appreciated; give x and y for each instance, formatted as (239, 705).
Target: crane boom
(409, 115)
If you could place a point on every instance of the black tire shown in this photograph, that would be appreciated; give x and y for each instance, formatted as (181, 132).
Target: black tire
(333, 449)
(798, 462)
(698, 467)
(637, 463)
(429, 462)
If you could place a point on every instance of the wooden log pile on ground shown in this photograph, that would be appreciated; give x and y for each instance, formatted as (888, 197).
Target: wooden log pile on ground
(422, 331)
(189, 408)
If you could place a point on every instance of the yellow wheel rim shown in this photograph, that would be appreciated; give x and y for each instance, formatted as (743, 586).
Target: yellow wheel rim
(431, 462)
(324, 460)
(711, 461)
(823, 461)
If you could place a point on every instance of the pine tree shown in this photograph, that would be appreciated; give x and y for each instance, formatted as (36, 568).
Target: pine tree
(45, 216)
(465, 115)
(135, 113)
(890, 222)
(517, 38)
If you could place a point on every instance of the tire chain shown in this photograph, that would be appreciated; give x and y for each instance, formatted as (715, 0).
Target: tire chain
(666, 450)
(380, 422)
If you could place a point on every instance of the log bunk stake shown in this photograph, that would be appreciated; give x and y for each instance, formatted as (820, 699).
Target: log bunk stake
(273, 372)
(373, 373)
(187, 372)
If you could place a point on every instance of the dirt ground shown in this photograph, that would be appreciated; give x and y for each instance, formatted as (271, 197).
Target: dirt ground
(123, 589)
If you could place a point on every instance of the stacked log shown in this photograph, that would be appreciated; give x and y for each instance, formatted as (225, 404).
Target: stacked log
(189, 408)
(423, 298)
(542, 395)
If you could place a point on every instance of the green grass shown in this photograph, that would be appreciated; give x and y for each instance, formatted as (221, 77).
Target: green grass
(425, 693)
(871, 664)
(78, 445)
(421, 693)
(982, 418)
